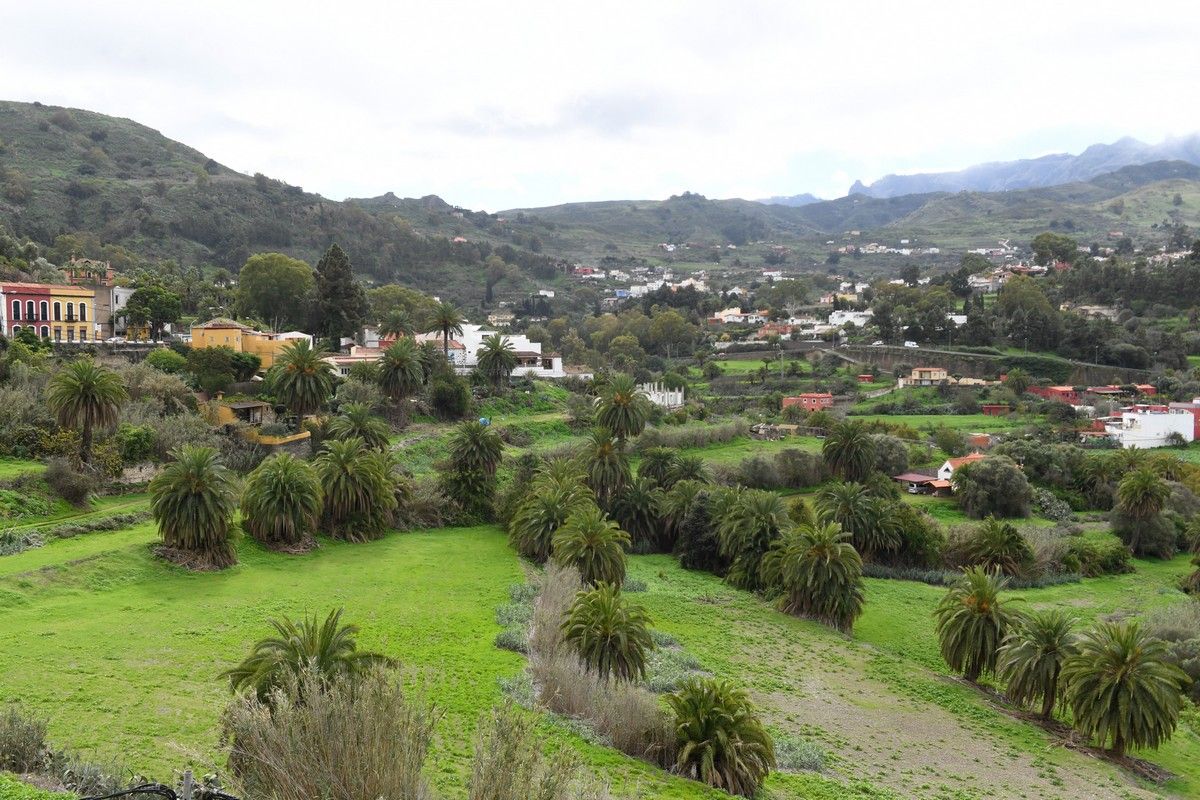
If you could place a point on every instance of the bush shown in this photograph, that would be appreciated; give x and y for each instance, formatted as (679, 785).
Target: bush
(799, 469)
(758, 472)
(166, 360)
(992, 486)
(1050, 506)
(22, 741)
(510, 763)
(891, 454)
(74, 487)
(686, 437)
(1091, 558)
(798, 755)
(332, 737)
(14, 541)
(449, 397)
(135, 442)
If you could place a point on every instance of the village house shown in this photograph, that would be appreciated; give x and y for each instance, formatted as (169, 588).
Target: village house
(1063, 394)
(859, 319)
(925, 376)
(61, 313)
(531, 362)
(919, 483)
(810, 401)
(1146, 426)
(223, 332)
(662, 396)
(995, 409)
(947, 469)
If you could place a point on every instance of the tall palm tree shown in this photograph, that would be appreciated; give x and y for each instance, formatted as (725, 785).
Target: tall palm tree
(359, 489)
(688, 468)
(356, 420)
(622, 407)
(87, 396)
(475, 447)
(747, 531)
(720, 739)
(281, 503)
(397, 323)
(1121, 688)
(674, 508)
(1031, 658)
(329, 649)
(866, 518)
(193, 500)
(1100, 474)
(400, 372)
(607, 466)
(998, 545)
(550, 503)
(849, 451)
(497, 359)
(656, 463)
(819, 574)
(638, 509)
(447, 320)
(594, 545)
(1141, 496)
(303, 379)
(610, 636)
(972, 621)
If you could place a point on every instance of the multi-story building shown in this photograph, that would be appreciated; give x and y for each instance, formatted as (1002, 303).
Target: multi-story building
(61, 313)
(221, 332)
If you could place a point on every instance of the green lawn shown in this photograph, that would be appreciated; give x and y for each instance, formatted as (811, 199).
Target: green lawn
(12, 789)
(12, 467)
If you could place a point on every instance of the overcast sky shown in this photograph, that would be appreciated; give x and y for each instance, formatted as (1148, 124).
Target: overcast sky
(512, 104)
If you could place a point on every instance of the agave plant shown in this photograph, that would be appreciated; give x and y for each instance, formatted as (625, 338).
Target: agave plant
(357, 420)
(594, 545)
(720, 739)
(193, 500)
(1031, 658)
(358, 486)
(610, 636)
(1121, 689)
(972, 622)
(281, 504)
(819, 574)
(329, 649)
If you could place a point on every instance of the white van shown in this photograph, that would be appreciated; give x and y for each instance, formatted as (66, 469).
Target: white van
(911, 344)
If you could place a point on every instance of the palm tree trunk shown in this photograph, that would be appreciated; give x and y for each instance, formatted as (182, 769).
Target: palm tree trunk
(1118, 747)
(85, 444)
(1048, 701)
(446, 343)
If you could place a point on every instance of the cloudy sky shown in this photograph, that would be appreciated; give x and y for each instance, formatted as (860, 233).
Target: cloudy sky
(513, 104)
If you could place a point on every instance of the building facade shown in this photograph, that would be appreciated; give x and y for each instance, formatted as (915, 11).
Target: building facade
(61, 313)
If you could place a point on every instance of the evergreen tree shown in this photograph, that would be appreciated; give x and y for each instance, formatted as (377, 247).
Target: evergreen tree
(341, 302)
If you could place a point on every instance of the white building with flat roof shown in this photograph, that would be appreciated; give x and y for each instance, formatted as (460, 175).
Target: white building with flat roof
(1151, 428)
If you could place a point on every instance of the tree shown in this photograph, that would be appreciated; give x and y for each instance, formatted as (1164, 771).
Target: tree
(819, 574)
(994, 485)
(470, 476)
(447, 320)
(276, 289)
(622, 408)
(594, 545)
(397, 323)
(341, 303)
(720, 740)
(551, 501)
(610, 636)
(607, 466)
(849, 451)
(637, 508)
(86, 396)
(998, 546)
(359, 490)
(211, 368)
(687, 468)
(747, 531)
(153, 305)
(193, 501)
(1018, 380)
(358, 421)
(1049, 247)
(329, 649)
(674, 508)
(656, 464)
(972, 622)
(281, 503)
(1031, 658)
(400, 374)
(865, 518)
(497, 360)
(1121, 689)
(303, 379)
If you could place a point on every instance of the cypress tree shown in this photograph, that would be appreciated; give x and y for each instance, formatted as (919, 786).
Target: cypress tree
(341, 302)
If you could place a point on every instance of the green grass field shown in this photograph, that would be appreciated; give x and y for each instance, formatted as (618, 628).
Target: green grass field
(13, 467)
(964, 422)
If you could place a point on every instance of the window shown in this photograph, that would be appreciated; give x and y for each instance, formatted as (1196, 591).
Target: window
(45, 331)
(16, 311)
(57, 333)
(29, 312)
(16, 330)
(70, 334)
(70, 312)
(57, 311)
(45, 307)
(83, 312)
(83, 334)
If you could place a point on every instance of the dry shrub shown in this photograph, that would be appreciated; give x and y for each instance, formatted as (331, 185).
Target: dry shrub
(22, 741)
(556, 592)
(1050, 547)
(344, 738)
(510, 763)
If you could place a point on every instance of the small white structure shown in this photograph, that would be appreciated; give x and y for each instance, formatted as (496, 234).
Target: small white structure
(946, 471)
(1151, 428)
(661, 396)
(859, 318)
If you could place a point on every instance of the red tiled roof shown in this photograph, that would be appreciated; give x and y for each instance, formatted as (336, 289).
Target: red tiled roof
(955, 463)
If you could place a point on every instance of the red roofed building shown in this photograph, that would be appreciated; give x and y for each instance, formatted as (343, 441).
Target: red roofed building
(946, 471)
(810, 401)
(995, 409)
(1063, 394)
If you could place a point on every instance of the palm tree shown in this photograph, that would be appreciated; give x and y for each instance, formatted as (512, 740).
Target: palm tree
(674, 508)
(594, 545)
(359, 489)
(998, 545)
(849, 451)
(281, 504)
(397, 323)
(1121, 688)
(1031, 658)
(357, 421)
(303, 378)
(867, 519)
(1141, 496)
(610, 636)
(547, 507)
(747, 531)
(328, 649)
(819, 573)
(719, 736)
(972, 622)
(607, 466)
(688, 468)
(622, 407)
(637, 508)
(475, 447)
(193, 500)
(497, 360)
(656, 464)
(400, 373)
(86, 396)
(447, 320)
(1100, 474)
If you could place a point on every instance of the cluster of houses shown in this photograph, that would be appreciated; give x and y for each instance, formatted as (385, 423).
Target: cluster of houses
(86, 309)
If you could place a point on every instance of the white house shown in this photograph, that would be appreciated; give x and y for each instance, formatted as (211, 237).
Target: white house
(531, 362)
(859, 318)
(946, 470)
(1144, 427)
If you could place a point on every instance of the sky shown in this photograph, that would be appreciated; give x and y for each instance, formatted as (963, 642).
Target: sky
(523, 103)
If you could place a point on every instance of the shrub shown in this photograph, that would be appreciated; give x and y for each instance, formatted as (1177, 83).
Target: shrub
(992, 486)
(510, 763)
(22, 740)
(75, 487)
(1050, 506)
(798, 755)
(135, 442)
(449, 397)
(15, 541)
(799, 469)
(719, 737)
(347, 736)
(166, 360)
(1091, 558)
(891, 454)
(998, 545)
(758, 472)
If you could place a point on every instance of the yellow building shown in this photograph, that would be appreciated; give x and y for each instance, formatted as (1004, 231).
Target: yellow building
(73, 314)
(240, 338)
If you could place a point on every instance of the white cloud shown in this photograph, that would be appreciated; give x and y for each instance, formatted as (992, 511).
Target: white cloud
(528, 103)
